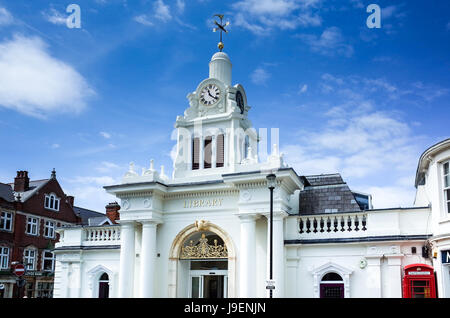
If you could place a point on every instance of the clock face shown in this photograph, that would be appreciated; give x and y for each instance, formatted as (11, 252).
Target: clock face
(240, 101)
(209, 95)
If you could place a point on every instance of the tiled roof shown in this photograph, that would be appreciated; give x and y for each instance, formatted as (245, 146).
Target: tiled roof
(86, 214)
(33, 187)
(6, 192)
(327, 194)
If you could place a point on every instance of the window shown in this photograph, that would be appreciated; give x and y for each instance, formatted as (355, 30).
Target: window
(208, 152)
(48, 261)
(32, 225)
(4, 257)
(220, 151)
(49, 229)
(332, 286)
(29, 258)
(6, 221)
(44, 290)
(51, 202)
(195, 154)
(447, 185)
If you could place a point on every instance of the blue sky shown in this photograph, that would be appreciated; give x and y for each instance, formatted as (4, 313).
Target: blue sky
(349, 99)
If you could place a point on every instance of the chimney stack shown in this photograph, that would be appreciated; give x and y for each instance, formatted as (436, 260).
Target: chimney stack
(112, 211)
(21, 181)
(70, 200)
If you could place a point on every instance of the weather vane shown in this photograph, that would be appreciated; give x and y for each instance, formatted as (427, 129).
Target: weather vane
(221, 28)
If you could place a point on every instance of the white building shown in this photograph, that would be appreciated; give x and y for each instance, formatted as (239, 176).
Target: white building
(204, 232)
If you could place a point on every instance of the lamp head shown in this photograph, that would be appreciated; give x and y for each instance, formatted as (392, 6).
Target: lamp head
(271, 180)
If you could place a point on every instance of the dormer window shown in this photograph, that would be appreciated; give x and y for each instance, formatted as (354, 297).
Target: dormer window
(446, 173)
(51, 202)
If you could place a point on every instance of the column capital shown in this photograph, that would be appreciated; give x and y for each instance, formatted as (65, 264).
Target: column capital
(149, 222)
(248, 217)
(276, 215)
(126, 222)
(394, 259)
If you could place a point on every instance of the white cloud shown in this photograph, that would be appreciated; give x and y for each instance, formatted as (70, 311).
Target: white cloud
(55, 146)
(102, 180)
(105, 135)
(369, 147)
(143, 19)
(392, 196)
(162, 11)
(303, 89)
(5, 17)
(35, 83)
(107, 167)
(54, 16)
(181, 5)
(331, 42)
(88, 196)
(161, 14)
(262, 16)
(260, 76)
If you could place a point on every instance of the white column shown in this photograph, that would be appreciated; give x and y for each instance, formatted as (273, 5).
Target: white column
(278, 253)
(247, 265)
(127, 257)
(394, 289)
(373, 282)
(148, 259)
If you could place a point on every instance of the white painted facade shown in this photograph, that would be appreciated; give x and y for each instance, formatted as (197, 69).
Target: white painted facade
(431, 184)
(159, 215)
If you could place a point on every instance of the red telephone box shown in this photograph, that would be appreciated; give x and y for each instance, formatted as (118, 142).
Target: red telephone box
(419, 281)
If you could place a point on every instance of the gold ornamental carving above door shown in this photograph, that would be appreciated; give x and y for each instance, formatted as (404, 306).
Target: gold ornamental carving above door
(200, 249)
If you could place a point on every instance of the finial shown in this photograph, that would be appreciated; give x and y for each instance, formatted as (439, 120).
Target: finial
(221, 28)
(152, 166)
(275, 149)
(162, 171)
(131, 167)
(53, 174)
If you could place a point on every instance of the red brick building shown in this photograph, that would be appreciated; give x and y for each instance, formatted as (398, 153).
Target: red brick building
(30, 213)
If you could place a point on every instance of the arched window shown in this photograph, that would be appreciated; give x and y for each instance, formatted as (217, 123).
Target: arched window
(51, 202)
(103, 286)
(332, 286)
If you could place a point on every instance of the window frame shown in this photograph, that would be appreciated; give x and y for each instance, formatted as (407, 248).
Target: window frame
(44, 258)
(37, 225)
(52, 202)
(46, 227)
(26, 259)
(5, 222)
(3, 256)
(446, 189)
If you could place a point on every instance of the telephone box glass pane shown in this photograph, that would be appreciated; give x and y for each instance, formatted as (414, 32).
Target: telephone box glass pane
(420, 289)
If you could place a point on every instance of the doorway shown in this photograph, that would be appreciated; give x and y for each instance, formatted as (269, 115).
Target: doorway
(208, 279)
(332, 286)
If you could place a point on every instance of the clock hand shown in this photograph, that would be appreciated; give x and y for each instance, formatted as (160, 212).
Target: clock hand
(209, 93)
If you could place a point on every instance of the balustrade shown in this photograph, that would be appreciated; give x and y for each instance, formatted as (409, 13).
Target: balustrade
(102, 234)
(333, 223)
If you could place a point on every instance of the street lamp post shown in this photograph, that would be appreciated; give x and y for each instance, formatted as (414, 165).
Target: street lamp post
(271, 183)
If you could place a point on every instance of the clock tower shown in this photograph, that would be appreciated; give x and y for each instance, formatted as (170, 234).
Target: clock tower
(214, 136)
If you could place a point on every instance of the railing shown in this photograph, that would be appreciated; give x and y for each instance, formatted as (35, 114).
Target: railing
(102, 234)
(345, 224)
